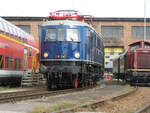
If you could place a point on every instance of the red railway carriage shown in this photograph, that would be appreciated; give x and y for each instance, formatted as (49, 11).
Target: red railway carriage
(134, 65)
(17, 49)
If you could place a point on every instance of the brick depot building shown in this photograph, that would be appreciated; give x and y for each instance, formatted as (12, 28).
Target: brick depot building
(117, 33)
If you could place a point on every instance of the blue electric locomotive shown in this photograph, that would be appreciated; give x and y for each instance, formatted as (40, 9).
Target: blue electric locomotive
(72, 53)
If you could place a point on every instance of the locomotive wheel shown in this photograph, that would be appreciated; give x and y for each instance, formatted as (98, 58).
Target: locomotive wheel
(89, 83)
(59, 86)
(92, 83)
(82, 84)
(75, 83)
(49, 85)
(86, 84)
(132, 83)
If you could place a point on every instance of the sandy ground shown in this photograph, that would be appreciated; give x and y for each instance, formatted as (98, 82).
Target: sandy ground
(128, 104)
(106, 89)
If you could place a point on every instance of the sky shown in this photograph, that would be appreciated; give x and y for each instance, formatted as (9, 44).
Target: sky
(96, 8)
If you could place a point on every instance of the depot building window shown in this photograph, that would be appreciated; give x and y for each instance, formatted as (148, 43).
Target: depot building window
(138, 31)
(112, 31)
(26, 28)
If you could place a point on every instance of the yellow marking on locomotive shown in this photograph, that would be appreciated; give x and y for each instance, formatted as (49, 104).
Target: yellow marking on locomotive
(117, 50)
(138, 69)
(107, 60)
(9, 38)
(109, 50)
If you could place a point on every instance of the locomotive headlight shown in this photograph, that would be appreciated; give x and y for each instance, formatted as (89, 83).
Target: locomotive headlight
(58, 56)
(45, 55)
(63, 56)
(61, 22)
(77, 54)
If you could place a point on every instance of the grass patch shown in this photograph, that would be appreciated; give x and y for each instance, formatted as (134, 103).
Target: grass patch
(3, 88)
(84, 99)
(66, 103)
(89, 106)
(41, 108)
(55, 108)
(52, 108)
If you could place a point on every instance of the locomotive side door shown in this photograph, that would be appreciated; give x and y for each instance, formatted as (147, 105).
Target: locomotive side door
(91, 45)
(25, 58)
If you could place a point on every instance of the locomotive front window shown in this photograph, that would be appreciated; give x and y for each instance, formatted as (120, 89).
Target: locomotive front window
(134, 47)
(50, 35)
(72, 35)
(61, 34)
(147, 46)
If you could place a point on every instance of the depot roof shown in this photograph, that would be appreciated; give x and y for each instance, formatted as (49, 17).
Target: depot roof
(16, 18)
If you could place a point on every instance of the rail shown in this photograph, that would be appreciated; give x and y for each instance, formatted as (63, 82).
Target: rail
(143, 109)
(97, 103)
(13, 97)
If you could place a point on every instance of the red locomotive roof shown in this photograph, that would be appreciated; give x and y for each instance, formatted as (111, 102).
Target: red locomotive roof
(70, 15)
(139, 45)
(65, 14)
(135, 43)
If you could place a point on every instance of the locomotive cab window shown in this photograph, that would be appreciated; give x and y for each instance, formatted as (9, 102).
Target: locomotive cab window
(147, 46)
(61, 34)
(98, 43)
(134, 47)
(50, 35)
(72, 35)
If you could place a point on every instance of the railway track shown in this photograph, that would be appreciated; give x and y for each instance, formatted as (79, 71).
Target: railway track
(15, 96)
(145, 109)
(12, 97)
(15, 93)
(95, 104)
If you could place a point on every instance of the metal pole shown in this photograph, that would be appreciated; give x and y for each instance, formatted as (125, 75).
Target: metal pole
(144, 20)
